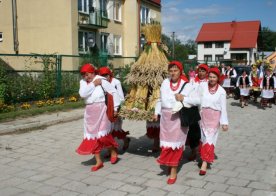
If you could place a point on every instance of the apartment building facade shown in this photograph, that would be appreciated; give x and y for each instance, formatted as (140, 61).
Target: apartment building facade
(76, 27)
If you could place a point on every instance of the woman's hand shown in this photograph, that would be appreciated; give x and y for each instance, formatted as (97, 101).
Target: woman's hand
(97, 82)
(115, 114)
(224, 127)
(155, 117)
(179, 97)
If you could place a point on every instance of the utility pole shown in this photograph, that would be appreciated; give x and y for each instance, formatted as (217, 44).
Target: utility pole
(173, 36)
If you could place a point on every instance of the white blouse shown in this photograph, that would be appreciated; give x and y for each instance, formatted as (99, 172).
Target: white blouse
(94, 94)
(204, 99)
(167, 95)
(117, 84)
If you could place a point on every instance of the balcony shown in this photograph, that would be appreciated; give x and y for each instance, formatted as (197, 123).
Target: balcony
(95, 20)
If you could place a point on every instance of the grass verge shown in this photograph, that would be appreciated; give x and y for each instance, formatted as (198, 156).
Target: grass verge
(36, 111)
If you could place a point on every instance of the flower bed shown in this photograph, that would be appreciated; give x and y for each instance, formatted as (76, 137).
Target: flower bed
(4, 108)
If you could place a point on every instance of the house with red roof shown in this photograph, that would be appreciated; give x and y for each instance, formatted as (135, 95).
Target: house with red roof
(234, 41)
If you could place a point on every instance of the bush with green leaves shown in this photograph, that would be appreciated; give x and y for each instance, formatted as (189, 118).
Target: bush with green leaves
(3, 83)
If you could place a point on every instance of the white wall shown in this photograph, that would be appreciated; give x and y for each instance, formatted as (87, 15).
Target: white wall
(225, 51)
(201, 51)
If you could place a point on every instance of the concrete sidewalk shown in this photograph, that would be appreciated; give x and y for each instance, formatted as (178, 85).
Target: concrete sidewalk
(40, 121)
(44, 162)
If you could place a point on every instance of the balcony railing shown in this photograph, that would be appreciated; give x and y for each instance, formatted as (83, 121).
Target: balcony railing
(95, 19)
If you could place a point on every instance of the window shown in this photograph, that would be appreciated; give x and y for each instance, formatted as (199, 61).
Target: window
(86, 41)
(84, 5)
(144, 15)
(239, 56)
(219, 57)
(1, 36)
(117, 45)
(219, 45)
(207, 58)
(103, 8)
(117, 10)
(208, 45)
(104, 42)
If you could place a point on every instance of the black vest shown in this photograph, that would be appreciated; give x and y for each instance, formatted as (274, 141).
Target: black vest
(246, 81)
(231, 72)
(271, 82)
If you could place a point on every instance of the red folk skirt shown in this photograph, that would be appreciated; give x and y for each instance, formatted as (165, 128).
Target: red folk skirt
(97, 129)
(170, 157)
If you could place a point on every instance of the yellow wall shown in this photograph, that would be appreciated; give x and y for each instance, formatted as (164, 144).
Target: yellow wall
(43, 26)
(6, 46)
(51, 26)
(131, 30)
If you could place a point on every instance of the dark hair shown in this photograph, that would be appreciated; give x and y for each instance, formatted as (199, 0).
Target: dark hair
(172, 65)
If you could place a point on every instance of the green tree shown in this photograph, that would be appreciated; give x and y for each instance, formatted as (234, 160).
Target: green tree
(181, 50)
(269, 39)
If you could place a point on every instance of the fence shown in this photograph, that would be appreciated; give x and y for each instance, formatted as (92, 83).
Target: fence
(30, 77)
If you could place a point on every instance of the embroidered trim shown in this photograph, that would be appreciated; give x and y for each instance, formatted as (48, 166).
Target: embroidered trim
(172, 145)
(96, 136)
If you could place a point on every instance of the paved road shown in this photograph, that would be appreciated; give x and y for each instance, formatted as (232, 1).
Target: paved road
(43, 162)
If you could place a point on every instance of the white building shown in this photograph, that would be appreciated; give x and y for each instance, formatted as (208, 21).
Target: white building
(229, 41)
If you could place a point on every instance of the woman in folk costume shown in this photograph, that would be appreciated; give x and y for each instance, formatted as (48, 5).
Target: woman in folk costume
(172, 135)
(97, 126)
(268, 86)
(202, 74)
(192, 74)
(244, 84)
(194, 130)
(229, 80)
(212, 100)
(256, 77)
(117, 125)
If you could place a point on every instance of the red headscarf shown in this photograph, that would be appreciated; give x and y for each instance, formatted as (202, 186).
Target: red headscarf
(87, 68)
(216, 71)
(105, 71)
(204, 66)
(180, 67)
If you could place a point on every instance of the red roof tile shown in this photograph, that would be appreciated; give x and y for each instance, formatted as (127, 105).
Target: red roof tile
(156, 1)
(241, 34)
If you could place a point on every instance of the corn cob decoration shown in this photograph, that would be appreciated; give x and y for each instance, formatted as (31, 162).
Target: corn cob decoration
(145, 77)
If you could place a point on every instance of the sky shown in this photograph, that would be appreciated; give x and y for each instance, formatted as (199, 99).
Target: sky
(185, 17)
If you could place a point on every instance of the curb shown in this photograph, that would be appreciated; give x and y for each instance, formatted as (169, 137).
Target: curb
(38, 125)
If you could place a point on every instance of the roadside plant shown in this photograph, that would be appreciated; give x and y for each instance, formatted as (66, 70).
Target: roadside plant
(25, 106)
(73, 99)
(40, 103)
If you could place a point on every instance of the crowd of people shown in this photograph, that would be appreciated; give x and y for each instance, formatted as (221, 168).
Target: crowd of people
(207, 90)
(259, 81)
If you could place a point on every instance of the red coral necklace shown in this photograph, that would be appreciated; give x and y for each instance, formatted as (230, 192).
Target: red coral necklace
(213, 90)
(174, 88)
